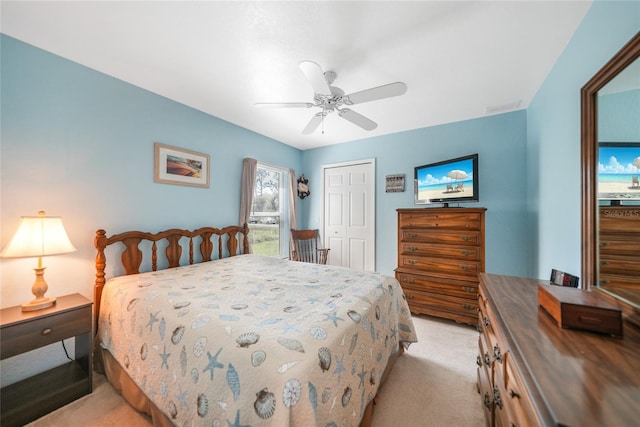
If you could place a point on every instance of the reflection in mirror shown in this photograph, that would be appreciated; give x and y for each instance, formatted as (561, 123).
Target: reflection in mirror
(610, 171)
(618, 186)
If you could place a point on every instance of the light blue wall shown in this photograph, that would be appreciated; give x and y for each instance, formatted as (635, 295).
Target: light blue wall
(553, 136)
(79, 144)
(500, 143)
(619, 117)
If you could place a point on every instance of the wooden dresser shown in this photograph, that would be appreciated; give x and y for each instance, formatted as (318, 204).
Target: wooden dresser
(531, 372)
(440, 253)
(619, 246)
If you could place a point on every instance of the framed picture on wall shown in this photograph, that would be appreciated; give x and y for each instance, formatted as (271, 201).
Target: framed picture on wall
(180, 166)
(394, 183)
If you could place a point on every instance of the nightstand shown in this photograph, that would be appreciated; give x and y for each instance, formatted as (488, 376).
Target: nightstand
(21, 332)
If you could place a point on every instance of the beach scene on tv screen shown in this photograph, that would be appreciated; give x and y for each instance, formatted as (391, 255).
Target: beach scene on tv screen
(451, 180)
(619, 173)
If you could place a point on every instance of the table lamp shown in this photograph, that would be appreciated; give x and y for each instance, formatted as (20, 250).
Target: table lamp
(38, 236)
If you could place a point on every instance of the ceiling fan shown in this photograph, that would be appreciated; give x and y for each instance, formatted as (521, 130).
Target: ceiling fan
(330, 98)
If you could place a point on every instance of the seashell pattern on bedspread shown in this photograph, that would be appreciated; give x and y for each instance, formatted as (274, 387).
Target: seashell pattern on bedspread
(251, 340)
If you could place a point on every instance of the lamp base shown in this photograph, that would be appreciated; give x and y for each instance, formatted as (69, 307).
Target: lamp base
(38, 289)
(38, 304)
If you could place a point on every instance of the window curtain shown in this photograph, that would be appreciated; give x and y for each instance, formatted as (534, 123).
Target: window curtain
(293, 206)
(249, 168)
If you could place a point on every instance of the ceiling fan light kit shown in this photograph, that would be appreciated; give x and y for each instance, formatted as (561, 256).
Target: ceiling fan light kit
(332, 98)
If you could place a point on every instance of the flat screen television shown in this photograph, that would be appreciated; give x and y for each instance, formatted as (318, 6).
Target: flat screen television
(448, 181)
(619, 172)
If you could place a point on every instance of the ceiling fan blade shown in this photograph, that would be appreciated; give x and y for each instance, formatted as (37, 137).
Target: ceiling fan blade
(380, 92)
(313, 123)
(313, 73)
(357, 119)
(283, 105)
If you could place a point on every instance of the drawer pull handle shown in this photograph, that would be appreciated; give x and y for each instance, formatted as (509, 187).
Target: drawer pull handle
(468, 289)
(479, 361)
(466, 253)
(47, 331)
(496, 397)
(411, 235)
(589, 319)
(487, 359)
(604, 263)
(409, 296)
(466, 238)
(468, 307)
(513, 394)
(604, 244)
(412, 248)
(487, 401)
(497, 354)
(410, 281)
(411, 261)
(465, 268)
(486, 322)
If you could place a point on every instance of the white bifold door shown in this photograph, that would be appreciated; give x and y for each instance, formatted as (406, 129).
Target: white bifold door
(349, 214)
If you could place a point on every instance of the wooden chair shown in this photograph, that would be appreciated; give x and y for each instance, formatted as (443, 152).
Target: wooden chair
(306, 247)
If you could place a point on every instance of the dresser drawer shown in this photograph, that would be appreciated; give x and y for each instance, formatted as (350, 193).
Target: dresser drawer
(485, 360)
(619, 244)
(458, 220)
(469, 253)
(619, 219)
(473, 238)
(620, 265)
(25, 336)
(484, 383)
(496, 342)
(516, 397)
(632, 282)
(459, 288)
(502, 411)
(419, 300)
(442, 267)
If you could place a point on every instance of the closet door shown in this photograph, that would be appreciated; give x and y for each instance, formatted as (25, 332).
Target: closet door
(349, 214)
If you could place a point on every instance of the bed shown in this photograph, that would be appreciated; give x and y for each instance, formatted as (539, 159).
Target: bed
(192, 329)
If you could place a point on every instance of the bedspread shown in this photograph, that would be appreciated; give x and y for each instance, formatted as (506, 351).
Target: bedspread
(252, 340)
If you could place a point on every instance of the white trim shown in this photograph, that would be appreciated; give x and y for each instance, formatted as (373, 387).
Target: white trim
(349, 163)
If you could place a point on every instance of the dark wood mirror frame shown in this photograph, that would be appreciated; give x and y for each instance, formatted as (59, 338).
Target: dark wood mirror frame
(589, 158)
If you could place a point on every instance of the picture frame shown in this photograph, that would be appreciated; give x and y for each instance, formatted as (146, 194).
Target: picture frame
(179, 166)
(394, 183)
(563, 279)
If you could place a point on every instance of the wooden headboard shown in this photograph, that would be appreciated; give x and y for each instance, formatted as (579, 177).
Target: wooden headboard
(229, 241)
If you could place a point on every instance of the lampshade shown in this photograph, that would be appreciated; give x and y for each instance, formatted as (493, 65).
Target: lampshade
(38, 236)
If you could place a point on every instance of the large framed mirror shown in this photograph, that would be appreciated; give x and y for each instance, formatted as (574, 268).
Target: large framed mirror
(610, 121)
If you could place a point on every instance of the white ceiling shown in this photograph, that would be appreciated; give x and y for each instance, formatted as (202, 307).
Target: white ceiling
(460, 60)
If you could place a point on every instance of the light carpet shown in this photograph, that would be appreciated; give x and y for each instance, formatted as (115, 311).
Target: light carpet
(433, 384)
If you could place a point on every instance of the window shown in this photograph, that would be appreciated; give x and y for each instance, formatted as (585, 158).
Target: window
(267, 223)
